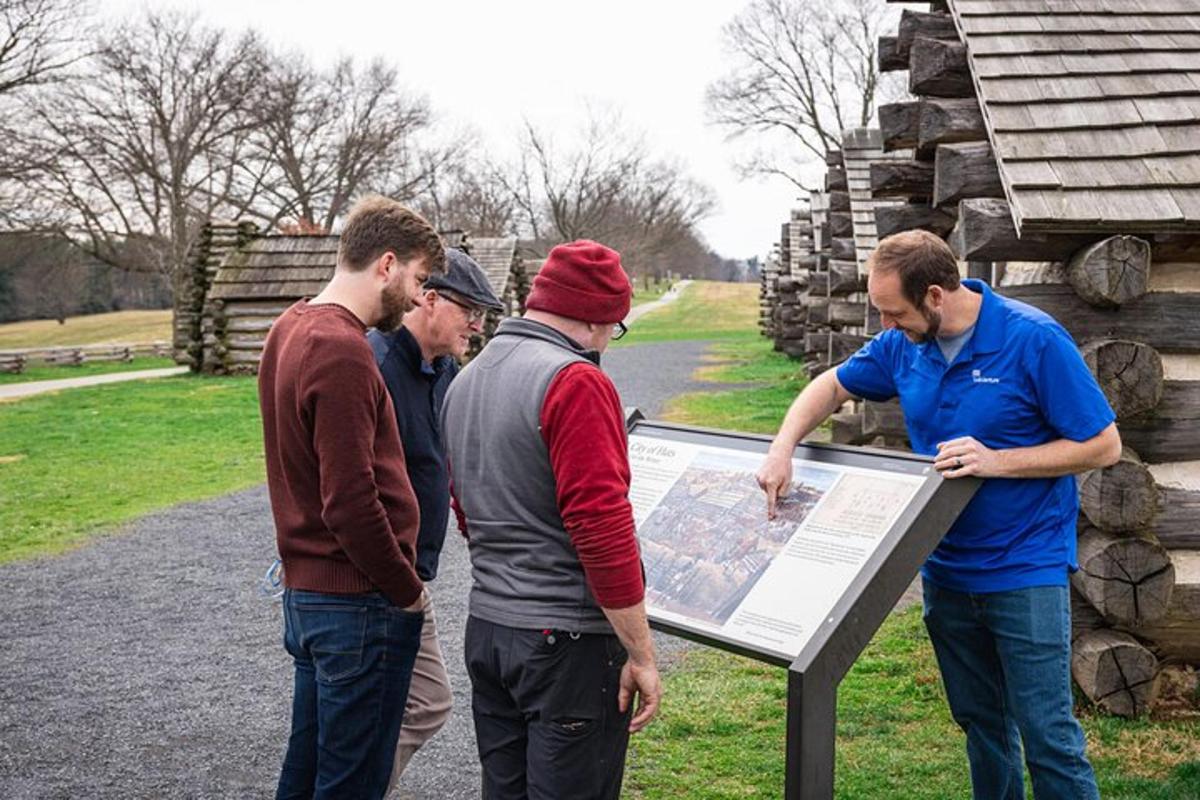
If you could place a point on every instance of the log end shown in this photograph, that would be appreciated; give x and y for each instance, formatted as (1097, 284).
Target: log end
(1115, 672)
(1111, 272)
(1128, 578)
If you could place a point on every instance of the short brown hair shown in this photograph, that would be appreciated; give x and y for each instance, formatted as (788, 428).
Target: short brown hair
(379, 225)
(921, 259)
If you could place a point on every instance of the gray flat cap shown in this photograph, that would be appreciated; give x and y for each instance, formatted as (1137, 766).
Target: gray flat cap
(465, 277)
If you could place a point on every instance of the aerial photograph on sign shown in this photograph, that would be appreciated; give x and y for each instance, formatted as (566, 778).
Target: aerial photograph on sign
(708, 541)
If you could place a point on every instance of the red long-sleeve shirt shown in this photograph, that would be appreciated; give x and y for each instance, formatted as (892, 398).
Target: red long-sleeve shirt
(346, 518)
(583, 427)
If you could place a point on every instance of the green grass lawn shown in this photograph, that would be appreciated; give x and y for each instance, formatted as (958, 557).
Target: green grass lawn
(704, 310)
(76, 463)
(117, 327)
(57, 372)
(756, 409)
(720, 733)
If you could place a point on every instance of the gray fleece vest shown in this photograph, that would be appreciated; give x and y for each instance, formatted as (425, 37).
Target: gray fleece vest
(525, 572)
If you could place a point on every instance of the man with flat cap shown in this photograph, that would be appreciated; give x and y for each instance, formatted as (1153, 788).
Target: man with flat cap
(557, 644)
(418, 360)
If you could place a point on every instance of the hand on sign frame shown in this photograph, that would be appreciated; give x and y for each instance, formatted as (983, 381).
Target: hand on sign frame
(965, 456)
(775, 478)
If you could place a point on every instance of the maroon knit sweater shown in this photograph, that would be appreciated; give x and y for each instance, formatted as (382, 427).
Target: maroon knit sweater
(346, 517)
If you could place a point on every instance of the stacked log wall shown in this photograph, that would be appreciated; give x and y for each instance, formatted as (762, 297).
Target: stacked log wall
(1131, 306)
(258, 283)
(812, 274)
(215, 241)
(767, 295)
(877, 424)
(1140, 540)
(1136, 301)
(831, 311)
(797, 262)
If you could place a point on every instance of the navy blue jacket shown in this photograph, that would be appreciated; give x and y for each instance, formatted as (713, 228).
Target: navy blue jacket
(417, 389)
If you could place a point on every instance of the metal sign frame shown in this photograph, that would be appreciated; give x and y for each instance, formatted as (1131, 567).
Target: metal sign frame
(815, 672)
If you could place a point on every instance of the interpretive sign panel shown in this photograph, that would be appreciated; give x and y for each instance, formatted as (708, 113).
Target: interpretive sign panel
(715, 562)
(805, 590)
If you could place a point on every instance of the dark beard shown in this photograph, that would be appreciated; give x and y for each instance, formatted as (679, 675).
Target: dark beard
(396, 303)
(934, 319)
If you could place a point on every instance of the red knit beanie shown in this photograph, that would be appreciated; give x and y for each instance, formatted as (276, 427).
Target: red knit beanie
(582, 280)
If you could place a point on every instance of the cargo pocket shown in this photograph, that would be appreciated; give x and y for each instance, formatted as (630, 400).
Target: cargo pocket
(573, 727)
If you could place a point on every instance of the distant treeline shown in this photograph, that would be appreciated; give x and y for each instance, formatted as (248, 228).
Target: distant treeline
(123, 137)
(43, 277)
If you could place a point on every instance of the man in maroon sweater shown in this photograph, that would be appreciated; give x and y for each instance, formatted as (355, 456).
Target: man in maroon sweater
(557, 645)
(346, 518)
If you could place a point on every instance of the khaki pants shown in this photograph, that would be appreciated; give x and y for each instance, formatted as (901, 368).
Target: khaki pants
(429, 697)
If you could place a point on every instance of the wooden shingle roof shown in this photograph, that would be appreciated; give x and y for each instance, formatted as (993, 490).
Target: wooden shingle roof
(495, 256)
(1093, 109)
(276, 267)
(860, 148)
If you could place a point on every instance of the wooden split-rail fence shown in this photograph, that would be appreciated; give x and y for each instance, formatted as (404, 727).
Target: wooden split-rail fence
(17, 361)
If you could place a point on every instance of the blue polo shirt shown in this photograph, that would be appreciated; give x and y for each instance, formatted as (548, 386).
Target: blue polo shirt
(417, 389)
(1018, 382)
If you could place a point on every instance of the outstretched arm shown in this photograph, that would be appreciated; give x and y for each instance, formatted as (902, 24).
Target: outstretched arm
(822, 397)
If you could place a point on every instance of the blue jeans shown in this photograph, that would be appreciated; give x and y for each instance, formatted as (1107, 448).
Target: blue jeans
(1005, 659)
(354, 658)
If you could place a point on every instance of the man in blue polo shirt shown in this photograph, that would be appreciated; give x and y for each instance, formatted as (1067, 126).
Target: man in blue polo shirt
(418, 360)
(994, 388)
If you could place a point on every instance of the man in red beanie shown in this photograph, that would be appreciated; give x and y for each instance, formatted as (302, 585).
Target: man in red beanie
(557, 645)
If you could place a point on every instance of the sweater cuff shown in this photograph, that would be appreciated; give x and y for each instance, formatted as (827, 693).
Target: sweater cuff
(617, 586)
(611, 560)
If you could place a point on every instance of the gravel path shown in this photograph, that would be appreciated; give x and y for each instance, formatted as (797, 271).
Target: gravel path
(12, 391)
(147, 665)
(671, 295)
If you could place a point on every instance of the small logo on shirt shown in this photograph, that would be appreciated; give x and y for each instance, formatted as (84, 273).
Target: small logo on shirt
(978, 377)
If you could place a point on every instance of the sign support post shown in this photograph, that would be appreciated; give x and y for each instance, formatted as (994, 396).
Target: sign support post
(811, 732)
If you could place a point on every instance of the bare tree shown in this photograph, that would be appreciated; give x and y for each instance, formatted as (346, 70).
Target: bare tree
(576, 194)
(606, 188)
(803, 72)
(39, 40)
(145, 147)
(470, 195)
(323, 138)
(43, 274)
(660, 214)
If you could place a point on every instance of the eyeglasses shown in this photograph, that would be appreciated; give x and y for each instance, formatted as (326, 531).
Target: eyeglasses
(619, 330)
(474, 313)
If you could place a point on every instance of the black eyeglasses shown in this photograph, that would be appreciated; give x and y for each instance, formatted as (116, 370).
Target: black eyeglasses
(474, 313)
(619, 330)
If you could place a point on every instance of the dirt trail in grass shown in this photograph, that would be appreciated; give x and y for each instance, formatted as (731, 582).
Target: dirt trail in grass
(147, 665)
(13, 391)
(671, 296)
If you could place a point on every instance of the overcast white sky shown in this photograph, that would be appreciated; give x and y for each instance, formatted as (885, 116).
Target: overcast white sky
(488, 64)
